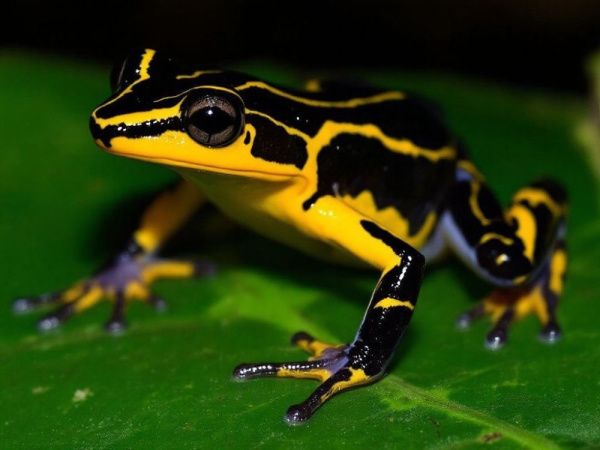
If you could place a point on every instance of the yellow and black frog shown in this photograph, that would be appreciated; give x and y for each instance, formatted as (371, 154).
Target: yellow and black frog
(348, 173)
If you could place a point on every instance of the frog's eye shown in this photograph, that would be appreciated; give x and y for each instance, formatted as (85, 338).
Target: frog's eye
(214, 120)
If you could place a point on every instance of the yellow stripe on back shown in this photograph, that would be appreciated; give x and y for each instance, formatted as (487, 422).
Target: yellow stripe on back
(536, 197)
(475, 208)
(196, 74)
(352, 103)
(527, 229)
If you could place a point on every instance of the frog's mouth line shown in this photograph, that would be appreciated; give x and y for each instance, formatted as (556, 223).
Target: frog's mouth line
(202, 167)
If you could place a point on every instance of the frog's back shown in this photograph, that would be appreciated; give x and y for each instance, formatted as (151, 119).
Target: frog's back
(387, 154)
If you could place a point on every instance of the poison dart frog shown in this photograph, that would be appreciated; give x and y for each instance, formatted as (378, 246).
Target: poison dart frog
(349, 173)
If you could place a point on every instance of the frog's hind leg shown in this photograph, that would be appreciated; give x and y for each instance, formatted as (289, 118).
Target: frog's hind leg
(320, 365)
(520, 250)
(130, 274)
(539, 297)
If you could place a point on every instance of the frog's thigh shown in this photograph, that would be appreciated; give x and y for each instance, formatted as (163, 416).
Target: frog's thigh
(520, 250)
(336, 223)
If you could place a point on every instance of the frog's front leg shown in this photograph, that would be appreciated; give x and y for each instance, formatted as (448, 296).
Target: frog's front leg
(340, 367)
(520, 250)
(130, 274)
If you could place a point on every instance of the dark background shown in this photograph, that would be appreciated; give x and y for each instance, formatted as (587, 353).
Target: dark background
(527, 42)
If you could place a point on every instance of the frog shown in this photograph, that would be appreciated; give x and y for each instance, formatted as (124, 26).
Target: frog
(343, 171)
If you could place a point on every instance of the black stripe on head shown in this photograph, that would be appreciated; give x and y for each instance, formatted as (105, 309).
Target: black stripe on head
(273, 143)
(163, 91)
(144, 129)
(409, 118)
(141, 99)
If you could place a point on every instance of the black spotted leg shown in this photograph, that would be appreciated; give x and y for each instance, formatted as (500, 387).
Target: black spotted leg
(131, 273)
(341, 367)
(520, 250)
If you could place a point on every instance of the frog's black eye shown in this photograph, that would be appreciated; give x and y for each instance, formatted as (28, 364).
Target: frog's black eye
(214, 120)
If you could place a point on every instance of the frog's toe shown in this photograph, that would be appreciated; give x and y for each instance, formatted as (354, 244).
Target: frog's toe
(334, 372)
(26, 304)
(337, 367)
(56, 318)
(116, 323)
(505, 306)
(82, 296)
(325, 361)
(316, 370)
(158, 303)
(465, 320)
(550, 333)
(498, 335)
(127, 279)
(346, 377)
(312, 346)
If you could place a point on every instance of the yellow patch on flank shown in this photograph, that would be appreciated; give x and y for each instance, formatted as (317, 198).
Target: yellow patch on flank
(392, 303)
(391, 219)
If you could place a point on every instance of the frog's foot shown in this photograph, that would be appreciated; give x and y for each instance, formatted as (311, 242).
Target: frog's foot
(507, 305)
(128, 278)
(337, 367)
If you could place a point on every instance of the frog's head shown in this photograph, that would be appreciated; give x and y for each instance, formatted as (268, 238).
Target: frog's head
(188, 117)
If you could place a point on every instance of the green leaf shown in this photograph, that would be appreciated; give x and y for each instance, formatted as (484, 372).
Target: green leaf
(167, 382)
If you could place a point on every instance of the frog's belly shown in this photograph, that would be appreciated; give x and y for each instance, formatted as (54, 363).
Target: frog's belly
(263, 208)
(391, 219)
(251, 205)
(288, 234)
